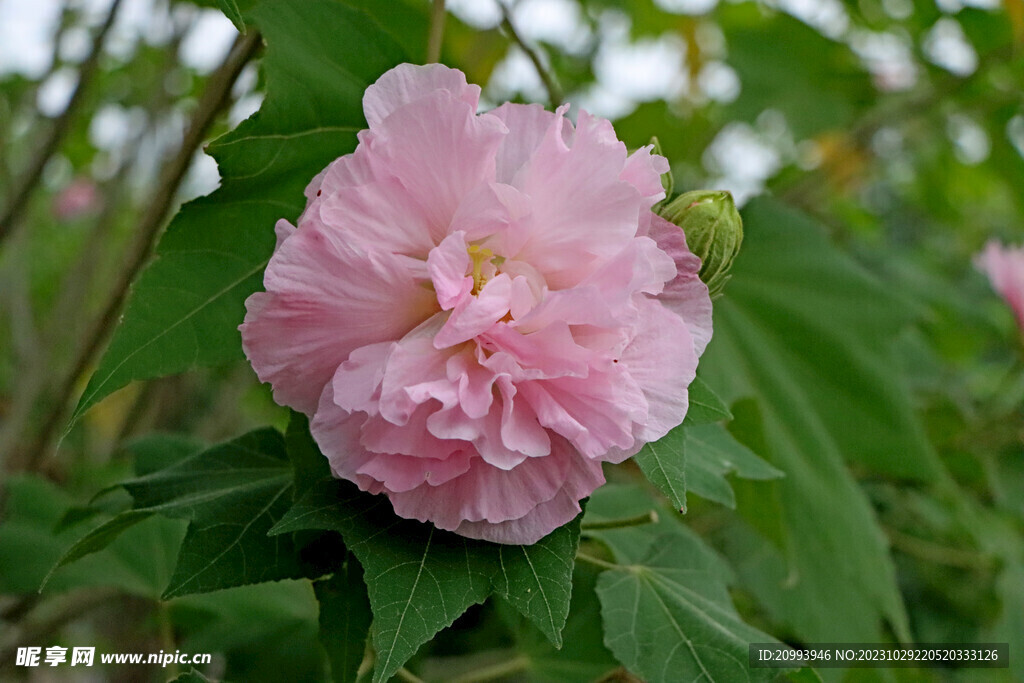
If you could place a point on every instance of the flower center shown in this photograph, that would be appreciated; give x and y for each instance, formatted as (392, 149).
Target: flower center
(480, 256)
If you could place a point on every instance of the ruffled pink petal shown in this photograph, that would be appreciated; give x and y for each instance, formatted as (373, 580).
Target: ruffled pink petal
(1005, 269)
(549, 352)
(282, 230)
(686, 295)
(643, 171)
(416, 372)
(439, 151)
(662, 360)
(407, 83)
(357, 381)
(350, 170)
(413, 437)
(378, 213)
(404, 472)
(567, 240)
(336, 432)
(323, 300)
(486, 493)
(520, 429)
(492, 447)
(475, 315)
(474, 382)
(527, 125)
(448, 264)
(488, 211)
(593, 413)
(583, 477)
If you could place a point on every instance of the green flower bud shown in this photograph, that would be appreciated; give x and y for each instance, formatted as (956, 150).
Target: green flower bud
(713, 229)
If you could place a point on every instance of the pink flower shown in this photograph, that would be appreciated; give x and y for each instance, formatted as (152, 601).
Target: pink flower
(476, 311)
(1005, 269)
(79, 198)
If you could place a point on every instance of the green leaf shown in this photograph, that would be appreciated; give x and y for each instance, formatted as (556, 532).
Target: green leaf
(583, 658)
(712, 453)
(696, 459)
(137, 563)
(191, 676)
(420, 579)
(630, 544)
(537, 579)
(98, 539)
(266, 631)
(154, 452)
(783, 64)
(231, 11)
(231, 494)
(808, 334)
(344, 619)
(185, 309)
(664, 465)
(309, 463)
(669, 618)
(705, 405)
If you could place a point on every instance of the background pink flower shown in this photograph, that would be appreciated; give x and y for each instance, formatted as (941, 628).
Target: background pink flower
(1005, 269)
(476, 311)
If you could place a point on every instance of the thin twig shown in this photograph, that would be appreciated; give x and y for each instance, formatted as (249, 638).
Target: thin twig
(938, 554)
(550, 84)
(52, 616)
(649, 517)
(597, 561)
(29, 181)
(436, 35)
(215, 97)
(493, 671)
(88, 275)
(408, 676)
(895, 111)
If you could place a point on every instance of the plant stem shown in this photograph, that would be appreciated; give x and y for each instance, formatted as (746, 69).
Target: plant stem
(49, 617)
(936, 553)
(167, 642)
(596, 561)
(215, 97)
(30, 180)
(649, 517)
(492, 671)
(554, 91)
(408, 676)
(436, 35)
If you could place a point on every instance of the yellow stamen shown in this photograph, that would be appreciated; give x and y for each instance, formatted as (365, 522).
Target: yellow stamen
(480, 256)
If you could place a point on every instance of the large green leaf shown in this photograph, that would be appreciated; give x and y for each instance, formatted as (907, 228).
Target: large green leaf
(705, 405)
(583, 658)
(537, 579)
(185, 309)
(231, 11)
(666, 610)
(808, 334)
(696, 459)
(231, 494)
(139, 562)
(669, 618)
(420, 579)
(263, 632)
(819, 84)
(344, 619)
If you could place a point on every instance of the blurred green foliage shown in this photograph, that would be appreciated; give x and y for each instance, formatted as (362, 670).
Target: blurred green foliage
(857, 349)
